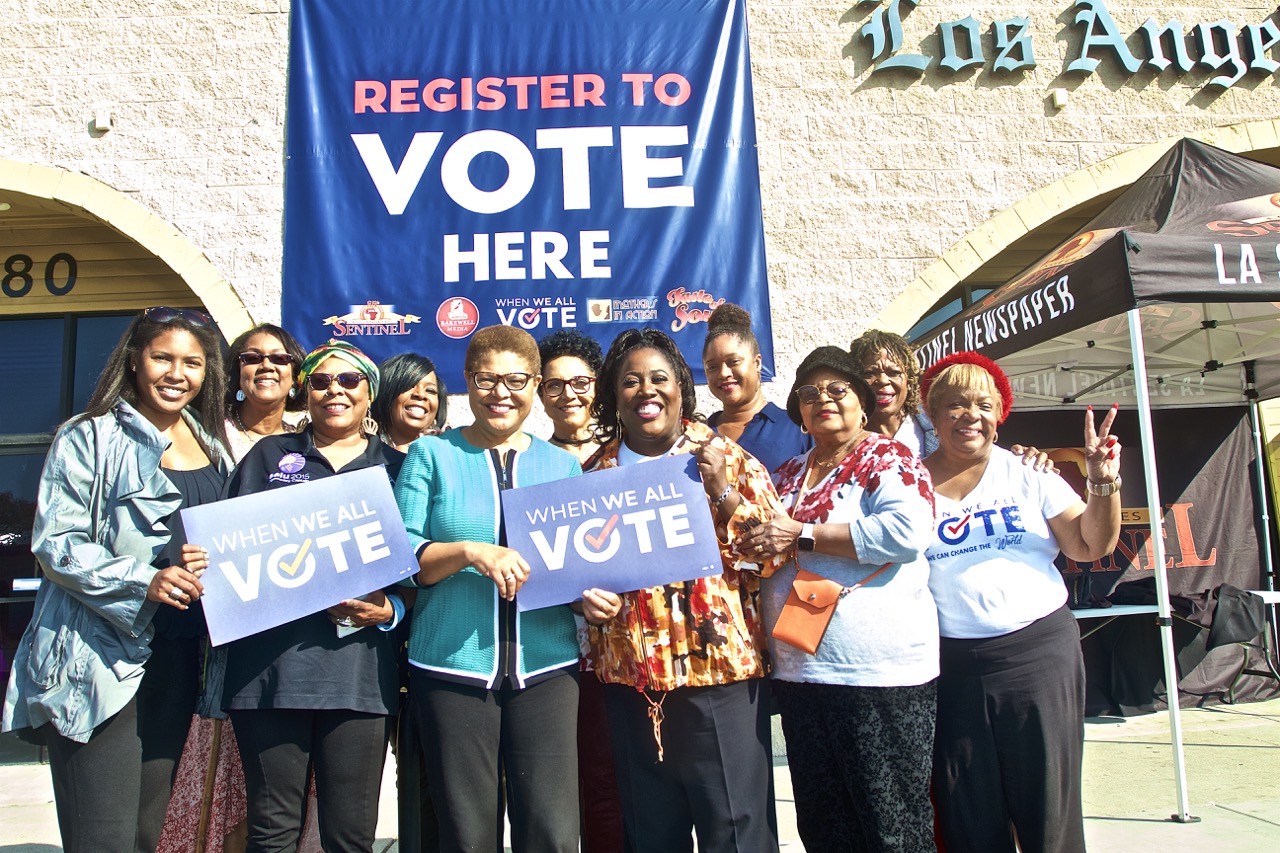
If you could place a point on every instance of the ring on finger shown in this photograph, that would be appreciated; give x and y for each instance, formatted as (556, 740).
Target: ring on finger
(176, 594)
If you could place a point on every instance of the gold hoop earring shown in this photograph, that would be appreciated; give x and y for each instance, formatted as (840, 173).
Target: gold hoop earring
(864, 420)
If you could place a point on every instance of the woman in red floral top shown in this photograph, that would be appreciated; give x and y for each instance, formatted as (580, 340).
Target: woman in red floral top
(684, 664)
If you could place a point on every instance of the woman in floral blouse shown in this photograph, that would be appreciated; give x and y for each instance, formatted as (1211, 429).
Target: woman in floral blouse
(859, 712)
(683, 664)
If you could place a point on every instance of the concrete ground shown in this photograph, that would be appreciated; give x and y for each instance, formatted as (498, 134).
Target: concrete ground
(1233, 773)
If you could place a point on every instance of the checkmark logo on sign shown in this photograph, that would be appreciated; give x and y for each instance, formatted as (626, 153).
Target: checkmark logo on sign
(953, 529)
(597, 542)
(291, 569)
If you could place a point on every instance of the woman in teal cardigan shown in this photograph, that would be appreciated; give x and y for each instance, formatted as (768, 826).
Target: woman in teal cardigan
(494, 690)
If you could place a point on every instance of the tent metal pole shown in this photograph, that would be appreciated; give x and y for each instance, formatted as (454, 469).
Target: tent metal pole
(1155, 509)
(1268, 579)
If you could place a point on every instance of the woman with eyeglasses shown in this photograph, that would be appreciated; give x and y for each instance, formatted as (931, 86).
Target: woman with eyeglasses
(683, 664)
(732, 363)
(263, 397)
(107, 672)
(494, 690)
(570, 362)
(858, 713)
(306, 694)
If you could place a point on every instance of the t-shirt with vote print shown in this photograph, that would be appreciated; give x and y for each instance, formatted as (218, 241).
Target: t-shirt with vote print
(991, 565)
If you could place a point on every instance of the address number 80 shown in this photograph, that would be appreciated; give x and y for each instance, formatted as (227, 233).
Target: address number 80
(59, 275)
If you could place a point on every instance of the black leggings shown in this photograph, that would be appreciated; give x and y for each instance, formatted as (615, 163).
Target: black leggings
(112, 792)
(347, 748)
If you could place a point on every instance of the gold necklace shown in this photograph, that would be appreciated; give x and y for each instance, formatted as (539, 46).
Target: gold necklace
(841, 452)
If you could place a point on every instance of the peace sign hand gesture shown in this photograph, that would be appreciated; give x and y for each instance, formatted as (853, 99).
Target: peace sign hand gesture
(1101, 449)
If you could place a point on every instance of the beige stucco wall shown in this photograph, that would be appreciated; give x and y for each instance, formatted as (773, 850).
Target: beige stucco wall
(867, 178)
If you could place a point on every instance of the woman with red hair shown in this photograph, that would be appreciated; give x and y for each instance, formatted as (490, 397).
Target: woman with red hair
(1010, 725)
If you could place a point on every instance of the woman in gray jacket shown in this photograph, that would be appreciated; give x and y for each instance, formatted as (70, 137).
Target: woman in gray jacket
(107, 673)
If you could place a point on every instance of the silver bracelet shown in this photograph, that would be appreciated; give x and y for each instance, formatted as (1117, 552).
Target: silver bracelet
(724, 496)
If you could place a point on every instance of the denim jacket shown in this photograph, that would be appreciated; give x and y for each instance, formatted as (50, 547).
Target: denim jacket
(100, 524)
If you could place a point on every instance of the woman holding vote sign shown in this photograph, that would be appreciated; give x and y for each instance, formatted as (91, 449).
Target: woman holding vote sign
(314, 692)
(107, 673)
(683, 663)
(494, 689)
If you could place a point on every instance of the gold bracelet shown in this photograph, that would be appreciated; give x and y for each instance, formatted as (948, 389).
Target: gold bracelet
(1103, 490)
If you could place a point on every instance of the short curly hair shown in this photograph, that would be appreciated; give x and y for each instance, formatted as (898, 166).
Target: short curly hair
(573, 344)
(496, 339)
(867, 346)
(605, 407)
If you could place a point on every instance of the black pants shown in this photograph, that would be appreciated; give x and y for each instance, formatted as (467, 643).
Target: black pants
(112, 792)
(475, 736)
(860, 759)
(347, 749)
(716, 776)
(1011, 740)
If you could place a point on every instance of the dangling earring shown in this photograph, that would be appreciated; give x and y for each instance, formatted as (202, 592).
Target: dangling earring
(293, 392)
(240, 398)
(369, 426)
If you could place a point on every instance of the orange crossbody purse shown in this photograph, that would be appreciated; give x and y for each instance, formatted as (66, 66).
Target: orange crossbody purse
(810, 605)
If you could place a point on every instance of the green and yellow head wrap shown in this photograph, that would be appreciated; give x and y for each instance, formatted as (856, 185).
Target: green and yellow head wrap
(348, 353)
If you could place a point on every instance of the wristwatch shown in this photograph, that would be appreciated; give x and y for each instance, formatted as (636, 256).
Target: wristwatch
(805, 540)
(1102, 490)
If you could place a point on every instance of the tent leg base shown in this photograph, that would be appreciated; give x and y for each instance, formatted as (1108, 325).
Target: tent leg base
(1184, 818)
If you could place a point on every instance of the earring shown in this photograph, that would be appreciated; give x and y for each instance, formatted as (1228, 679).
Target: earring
(293, 392)
(864, 419)
(804, 429)
(995, 437)
(240, 398)
(368, 425)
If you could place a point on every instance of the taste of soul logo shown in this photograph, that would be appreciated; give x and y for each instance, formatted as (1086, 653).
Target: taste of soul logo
(457, 317)
(371, 318)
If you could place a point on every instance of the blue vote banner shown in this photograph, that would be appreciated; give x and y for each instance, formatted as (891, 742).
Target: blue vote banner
(280, 555)
(547, 164)
(620, 529)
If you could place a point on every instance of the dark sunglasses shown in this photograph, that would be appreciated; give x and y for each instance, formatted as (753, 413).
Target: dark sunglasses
(163, 314)
(809, 394)
(489, 381)
(280, 359)
(577, 384)
(322, 381)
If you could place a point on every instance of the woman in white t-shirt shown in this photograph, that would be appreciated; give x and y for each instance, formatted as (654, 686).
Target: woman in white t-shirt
(1010, 734)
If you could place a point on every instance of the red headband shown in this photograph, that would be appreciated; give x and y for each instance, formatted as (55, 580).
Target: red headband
(993, 369)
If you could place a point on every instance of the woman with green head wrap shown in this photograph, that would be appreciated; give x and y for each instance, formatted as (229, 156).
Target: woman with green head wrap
(318, 691)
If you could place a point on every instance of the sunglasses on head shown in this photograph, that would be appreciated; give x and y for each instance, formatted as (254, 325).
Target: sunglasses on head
(280, 359)
(322, 381)
(836, 390)
(163, 314)
(486, 381)
(576, 384)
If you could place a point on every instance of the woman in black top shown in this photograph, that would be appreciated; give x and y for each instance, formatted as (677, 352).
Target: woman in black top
(312, 692)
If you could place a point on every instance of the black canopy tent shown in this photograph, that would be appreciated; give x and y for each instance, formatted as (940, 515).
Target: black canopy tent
(1172, 288)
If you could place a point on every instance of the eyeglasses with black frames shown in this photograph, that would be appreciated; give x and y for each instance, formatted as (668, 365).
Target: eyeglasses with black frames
(576, 384)
(279, 359)
(164, 314)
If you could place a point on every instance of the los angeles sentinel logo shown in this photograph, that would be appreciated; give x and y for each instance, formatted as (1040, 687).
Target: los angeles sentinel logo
(371, 318)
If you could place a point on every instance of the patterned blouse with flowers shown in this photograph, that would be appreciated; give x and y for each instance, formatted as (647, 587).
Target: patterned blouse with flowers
(885, 634)
(695, 633)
